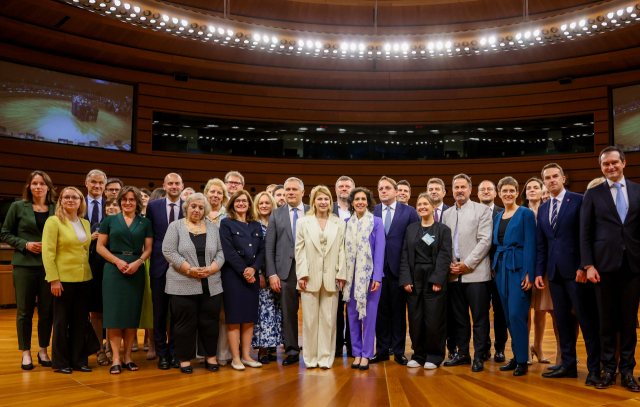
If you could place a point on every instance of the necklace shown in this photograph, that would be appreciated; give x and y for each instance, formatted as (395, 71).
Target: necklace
(194, 230)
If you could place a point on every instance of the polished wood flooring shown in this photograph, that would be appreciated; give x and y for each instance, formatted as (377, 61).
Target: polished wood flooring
(385, 384)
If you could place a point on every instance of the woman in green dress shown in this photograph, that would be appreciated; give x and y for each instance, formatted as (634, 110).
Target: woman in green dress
(130, 237)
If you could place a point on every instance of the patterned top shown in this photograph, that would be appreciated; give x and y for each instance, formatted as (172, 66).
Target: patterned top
(222, 213)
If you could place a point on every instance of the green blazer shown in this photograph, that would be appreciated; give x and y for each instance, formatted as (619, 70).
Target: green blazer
(20, 228)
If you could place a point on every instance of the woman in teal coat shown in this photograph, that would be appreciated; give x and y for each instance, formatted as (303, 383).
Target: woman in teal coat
(22, 229)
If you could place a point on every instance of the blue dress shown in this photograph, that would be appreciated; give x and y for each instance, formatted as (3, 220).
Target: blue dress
(268, 331)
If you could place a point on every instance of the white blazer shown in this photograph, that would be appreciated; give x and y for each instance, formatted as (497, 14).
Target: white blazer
(311, 262)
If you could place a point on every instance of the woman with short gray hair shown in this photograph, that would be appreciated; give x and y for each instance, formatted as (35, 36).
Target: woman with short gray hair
(192, 248)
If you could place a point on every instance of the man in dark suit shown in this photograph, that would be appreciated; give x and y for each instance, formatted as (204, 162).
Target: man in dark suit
(162, 212)
(281, 263)
(558, 254)
(391, 324)
(610, 253)
(487, 194)
(344, 186)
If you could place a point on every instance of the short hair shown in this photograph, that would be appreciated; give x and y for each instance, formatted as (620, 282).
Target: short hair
(490, 182)
(136, 195)
(611, 149)
(279, 186)
(231, 212)
(464, 176)
(525, 200)
(96, 172)
(193, 197)
(437, 181)
(256, 201)
(404, 182)
(146, 191)
(114, 180)
(234, 174)
(110, 201)
(294, 179)
(82, 209)
(270, 186)
(508, 181)
(157, 193)
(595, 182)
(50, 198)
(172, 173)
(389, 180)
(345, 178)
(371, 203)
(551, 165)
(189, 189)
(428, 197)
(319, 189)
(217, 182)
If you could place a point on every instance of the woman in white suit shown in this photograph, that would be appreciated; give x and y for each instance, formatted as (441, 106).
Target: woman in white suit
(321, 273)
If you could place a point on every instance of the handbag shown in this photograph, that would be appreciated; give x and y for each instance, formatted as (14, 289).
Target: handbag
(91, 344)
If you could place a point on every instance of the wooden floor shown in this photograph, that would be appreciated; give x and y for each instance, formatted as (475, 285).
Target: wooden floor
(385, 384)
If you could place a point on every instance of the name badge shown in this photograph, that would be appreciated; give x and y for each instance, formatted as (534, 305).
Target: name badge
(428, 239)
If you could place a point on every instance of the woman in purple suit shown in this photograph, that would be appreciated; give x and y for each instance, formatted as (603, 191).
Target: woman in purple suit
(365, 243)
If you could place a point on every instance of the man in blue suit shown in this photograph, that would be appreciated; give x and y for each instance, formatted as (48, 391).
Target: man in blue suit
(162, 212)
(391, 325)
(558, 255)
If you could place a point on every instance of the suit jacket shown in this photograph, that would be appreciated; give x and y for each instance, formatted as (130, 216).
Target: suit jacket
(65, 258)
(101, 215)
(404, 216)
(444, 208)
(559, 249)
(95, 260)
(157, 214)
(440, 254)
(239, 248)
(279, 250)
(20, 228)
(496, 210)
(603, 237)
(321, 267)
(475, 229)
(336, 205)
(519, 244)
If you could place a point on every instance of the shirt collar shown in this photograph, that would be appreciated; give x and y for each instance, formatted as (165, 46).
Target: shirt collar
(300, 207)
(440, 207)
(622, 182)
(392, 206)
(91, 199)
(168, 201)
(492, 206)
(561, 195)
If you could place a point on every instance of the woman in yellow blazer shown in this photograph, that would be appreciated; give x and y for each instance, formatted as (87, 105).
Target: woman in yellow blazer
(321, 272)
(65, 256)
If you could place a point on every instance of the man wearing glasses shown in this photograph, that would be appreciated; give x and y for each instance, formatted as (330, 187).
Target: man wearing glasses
(234, 182)
(113, 187)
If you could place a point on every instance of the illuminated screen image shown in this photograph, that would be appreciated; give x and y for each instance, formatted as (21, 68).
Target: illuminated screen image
(626, 117)
(38, 104)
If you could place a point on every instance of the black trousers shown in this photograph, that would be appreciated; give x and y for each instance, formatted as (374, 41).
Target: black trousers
(500, 331)
(474, 296)
(29, 283)
(427, 324)
(617, 295)
(70, 319)
(290, 303)
(161, 301)
(391, 324)
(343, 338)
(196, 318)
(452, 344)
(568, 294)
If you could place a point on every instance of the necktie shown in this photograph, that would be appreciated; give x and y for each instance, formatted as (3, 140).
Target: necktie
(436, 215)
(554, 214)
(295, 220)
(621, 203)
(172, 215)
(387, 221)
(94, 213)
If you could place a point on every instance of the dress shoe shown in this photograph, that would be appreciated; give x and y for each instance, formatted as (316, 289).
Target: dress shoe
(324, 367)
(290, 360)
(27, 367)
(478, 365)
(164, 364)
(237, 367)
(561, 372)
(355, 366)
(413, 363)
(430, 366)
(272, 357)
(64, 370)
(592, 378)
(84, 369)
(486, 357)
(44, 363)
(511, 365)
(401, 360)
(186, 369)
(606, 380)
(265, 360)
(251, 363)
(499, 357)
(390, 351)
(377, 358)
(212, 367)
(554, 367)
(175, 363)
(629, 383)
(458, 359)
(364, 367)
(521, 369)
(452, 355)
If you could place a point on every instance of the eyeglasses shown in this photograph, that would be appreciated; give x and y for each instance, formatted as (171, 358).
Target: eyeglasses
(242, 201)
(129, 200)
(234, 183)
(70, 198)
(114, 190)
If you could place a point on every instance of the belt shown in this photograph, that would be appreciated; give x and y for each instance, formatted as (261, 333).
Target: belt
(129, 253)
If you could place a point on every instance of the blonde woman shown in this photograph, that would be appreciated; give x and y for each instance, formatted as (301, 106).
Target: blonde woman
(65, 255)
(321, 272)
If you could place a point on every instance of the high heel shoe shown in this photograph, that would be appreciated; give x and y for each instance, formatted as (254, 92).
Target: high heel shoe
(28, 366)
(44, 363)
(534, 353)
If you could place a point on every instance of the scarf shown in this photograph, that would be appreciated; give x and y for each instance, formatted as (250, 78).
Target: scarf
(359, 260)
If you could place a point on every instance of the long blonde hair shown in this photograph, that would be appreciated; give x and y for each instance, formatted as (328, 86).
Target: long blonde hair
(320, 189)
(60, 212)
(256, 200)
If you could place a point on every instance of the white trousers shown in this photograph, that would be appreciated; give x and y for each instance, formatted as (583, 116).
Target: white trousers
(319, 322)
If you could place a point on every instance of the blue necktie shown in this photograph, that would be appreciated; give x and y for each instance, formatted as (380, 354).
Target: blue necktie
(387, 221)
(94, 213)
(554, 214)
(621, 203)
(295, 220)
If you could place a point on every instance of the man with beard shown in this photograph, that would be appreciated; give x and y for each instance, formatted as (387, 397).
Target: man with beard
(278, 195)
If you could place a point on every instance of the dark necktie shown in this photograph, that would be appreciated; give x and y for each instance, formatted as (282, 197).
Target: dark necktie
(554, 214)
(94, 213)
(436, 217)
(172, 215)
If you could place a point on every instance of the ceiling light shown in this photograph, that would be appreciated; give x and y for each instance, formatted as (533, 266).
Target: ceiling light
(610, 15)
(127, 6)
(396, 47)
(184, 23)
(387, 47)
(353, 46)
(405, 46)
(620, 12)
(220, 30)
(164, 17)
(439, 45)
(174, 20)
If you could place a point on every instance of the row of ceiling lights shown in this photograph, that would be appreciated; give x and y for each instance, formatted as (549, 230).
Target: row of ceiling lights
(225, 36)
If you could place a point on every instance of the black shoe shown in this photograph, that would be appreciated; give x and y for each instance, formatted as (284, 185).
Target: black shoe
(132, 367)
(561, 372)
(265, 360)
(186, 369)
(164, 363)
(175, 363)
(458, 359)
(521, 369)
(390, 351)
(629, 383)
(355, 366)
(401, 360)
(377, 358)
(44, 363)
(478, 365)
(592, 378)
(324, 367)
(606, 380)
(365, 367)
(290, 360)
(272, 358)
(554, 367)
(511, 365)
(115, 369)
(452, 355)
(486, 357)
(64, 370)
(212, 367)
(27, 367)
(499, 357)
(84, 369)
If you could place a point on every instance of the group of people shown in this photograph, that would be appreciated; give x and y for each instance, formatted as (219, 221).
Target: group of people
(219, 273)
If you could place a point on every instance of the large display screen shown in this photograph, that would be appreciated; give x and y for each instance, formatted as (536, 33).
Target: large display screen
(38, 104)
(626, 117)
